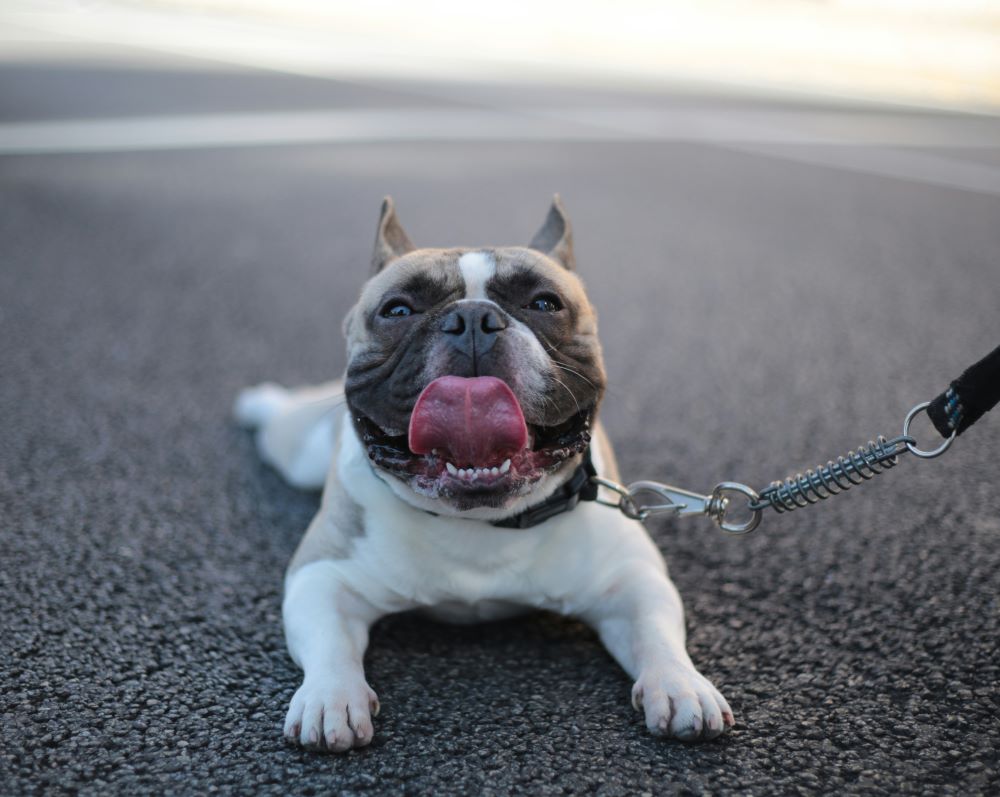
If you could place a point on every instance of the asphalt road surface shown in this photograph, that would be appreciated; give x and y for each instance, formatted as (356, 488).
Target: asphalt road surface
(777, 283)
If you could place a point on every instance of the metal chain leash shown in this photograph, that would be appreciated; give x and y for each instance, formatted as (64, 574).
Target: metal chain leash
(970, 396)
(787, 495)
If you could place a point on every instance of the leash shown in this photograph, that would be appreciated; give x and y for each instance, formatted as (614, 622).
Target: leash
(965, 401)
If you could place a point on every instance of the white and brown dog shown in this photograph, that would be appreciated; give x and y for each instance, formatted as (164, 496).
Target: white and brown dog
(449, 456)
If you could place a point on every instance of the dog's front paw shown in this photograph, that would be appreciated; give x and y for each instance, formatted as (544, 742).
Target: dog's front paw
(332, 714)
(682, 703)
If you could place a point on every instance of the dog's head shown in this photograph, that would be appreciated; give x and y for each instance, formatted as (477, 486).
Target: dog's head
(474, 375)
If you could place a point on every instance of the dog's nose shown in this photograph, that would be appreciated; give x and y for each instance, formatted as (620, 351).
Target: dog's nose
(473, 327)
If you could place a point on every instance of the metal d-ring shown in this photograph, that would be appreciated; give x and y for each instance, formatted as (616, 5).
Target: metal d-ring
(919, 451)
(720, 502)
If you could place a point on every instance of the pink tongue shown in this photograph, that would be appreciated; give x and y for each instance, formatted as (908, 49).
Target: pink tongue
(476, 420)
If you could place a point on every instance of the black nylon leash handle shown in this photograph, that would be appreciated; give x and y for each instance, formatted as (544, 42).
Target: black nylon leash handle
(969, 397)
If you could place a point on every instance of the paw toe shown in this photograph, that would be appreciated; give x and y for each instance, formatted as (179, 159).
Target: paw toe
(311, 735)
(686, 723)
(711, 714)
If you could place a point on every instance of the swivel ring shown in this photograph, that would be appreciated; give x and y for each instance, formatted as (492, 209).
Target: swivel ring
(721, 502)
(919, 451)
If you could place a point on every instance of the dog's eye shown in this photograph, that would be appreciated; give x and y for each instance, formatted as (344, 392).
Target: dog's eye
(544, 303)
(396, 309)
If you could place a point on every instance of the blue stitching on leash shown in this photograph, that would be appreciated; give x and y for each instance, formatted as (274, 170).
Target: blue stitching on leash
(953, 409)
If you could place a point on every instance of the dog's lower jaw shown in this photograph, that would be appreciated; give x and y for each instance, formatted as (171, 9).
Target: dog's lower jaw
(535, 493)
(508, 480)
(532, 493)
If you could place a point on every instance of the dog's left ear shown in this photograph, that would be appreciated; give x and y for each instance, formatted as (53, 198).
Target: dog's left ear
(391, 240)
(555, 238)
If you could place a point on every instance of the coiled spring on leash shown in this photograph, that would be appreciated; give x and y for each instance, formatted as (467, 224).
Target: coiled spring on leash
(796, 491)
(965, 401)
(828, 480)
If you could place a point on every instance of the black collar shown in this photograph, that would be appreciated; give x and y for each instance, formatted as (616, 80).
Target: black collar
(578, 488)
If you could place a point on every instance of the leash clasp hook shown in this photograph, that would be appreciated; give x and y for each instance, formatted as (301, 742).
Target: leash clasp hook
(682, 503)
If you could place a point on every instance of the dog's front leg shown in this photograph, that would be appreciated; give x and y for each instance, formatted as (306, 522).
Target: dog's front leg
(326, 628)
(640, 620)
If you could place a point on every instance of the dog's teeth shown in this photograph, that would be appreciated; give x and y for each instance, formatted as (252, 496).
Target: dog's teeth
(476, 473)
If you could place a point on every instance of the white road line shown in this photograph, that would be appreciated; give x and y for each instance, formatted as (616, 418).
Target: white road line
(278, 128)
(870, 143)
(723, 126)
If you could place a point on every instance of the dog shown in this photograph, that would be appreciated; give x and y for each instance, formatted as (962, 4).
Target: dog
(452, 456)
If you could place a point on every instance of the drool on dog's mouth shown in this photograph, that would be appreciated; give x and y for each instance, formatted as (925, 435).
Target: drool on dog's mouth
(468, 440)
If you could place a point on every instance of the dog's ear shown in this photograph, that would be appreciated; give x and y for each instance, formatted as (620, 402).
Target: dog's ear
(391, 241)
(555, 238)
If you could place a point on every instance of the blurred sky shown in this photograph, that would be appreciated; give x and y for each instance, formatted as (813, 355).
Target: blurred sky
(923, 52)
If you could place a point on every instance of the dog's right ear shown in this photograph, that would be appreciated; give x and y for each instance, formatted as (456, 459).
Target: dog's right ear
(555, 239)
(391, 241)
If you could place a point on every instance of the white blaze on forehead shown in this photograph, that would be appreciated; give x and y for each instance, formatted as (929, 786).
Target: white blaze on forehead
(477, 268)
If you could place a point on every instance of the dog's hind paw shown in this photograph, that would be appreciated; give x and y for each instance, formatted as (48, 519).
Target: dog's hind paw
(682, 704)
(255, 406)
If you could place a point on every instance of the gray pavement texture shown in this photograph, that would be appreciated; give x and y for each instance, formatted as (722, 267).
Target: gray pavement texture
(759, 315)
